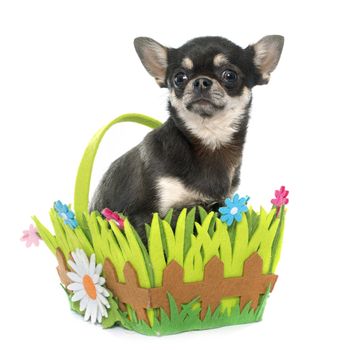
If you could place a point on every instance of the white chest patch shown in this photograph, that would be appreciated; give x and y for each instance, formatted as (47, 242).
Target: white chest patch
(173, 194)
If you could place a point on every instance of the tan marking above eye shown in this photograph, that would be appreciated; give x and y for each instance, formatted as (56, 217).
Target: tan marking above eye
(187, 63)
(220, 59)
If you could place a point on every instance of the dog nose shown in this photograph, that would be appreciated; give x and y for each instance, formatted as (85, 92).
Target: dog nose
(202, 84)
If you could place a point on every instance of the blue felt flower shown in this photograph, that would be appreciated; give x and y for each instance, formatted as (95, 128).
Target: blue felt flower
(66, 214)
(234, 209)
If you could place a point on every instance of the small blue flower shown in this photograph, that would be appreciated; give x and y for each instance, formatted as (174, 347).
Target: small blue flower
(66, 214)
(234, 209)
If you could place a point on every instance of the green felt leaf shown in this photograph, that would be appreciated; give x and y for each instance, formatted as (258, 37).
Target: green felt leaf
(60, 234)
(75, 238)
(162, 236)
(266, 245)
(82, 184)
(95, 235)
(262, 303)
(202, 213)
(170, 240)
(193, 265)
(104, 245)
(210, 246)
(117, 258)
(169, 215)
(148, 230)
(211, 228)
(240, 248)
(258, 235)
(189, 228)
(72, 239)
(277, 243)
(156, 254)
(253, 222)
(207, 221)
(224, 247)
(83, 239)
(270, 217)
(47, 237)
(85, 227)
(232, 233)
(180, 237)
(123, 243)
(146, 257)
(114, 315)
(137, 257)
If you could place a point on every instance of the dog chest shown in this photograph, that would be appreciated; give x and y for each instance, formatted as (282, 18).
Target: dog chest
(173, 193)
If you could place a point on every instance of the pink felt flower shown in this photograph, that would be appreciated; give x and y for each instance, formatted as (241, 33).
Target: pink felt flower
(31, 236)
(111, 215)
(281, 198)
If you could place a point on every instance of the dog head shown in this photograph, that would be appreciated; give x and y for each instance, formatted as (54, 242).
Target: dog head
(210, 77)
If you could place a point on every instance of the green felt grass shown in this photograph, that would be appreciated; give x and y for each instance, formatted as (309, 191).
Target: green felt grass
(179, 321)
(192, 244)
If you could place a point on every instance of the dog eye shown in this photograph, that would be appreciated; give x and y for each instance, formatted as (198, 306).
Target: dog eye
(229, 76)
(180, 79)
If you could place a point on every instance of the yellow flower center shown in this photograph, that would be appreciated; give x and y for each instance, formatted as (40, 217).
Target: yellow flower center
(89, 286)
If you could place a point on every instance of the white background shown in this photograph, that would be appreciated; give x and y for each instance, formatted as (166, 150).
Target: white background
(69, 67)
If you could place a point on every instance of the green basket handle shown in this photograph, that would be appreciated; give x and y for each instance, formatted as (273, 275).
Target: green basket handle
(82, 182)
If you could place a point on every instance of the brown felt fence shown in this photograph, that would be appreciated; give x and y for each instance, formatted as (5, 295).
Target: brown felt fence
(211, 290)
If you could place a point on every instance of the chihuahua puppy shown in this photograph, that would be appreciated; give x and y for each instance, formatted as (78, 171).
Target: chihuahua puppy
(194, 158)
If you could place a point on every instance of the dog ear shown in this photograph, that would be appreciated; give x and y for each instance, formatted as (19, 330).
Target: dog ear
(267, 52)
(154, 57)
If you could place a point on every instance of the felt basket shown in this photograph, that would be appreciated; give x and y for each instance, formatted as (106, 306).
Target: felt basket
(191, 275)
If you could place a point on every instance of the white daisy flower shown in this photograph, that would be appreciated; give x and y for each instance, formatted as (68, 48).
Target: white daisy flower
(87, 286)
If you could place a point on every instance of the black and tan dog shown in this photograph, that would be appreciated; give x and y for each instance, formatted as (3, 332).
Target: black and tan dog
(194, 158)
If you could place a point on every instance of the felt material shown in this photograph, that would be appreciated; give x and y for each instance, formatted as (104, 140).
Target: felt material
(74, 305)
(233, 209)
(277, 243)
(129, 293)
(31, 236)
(66, 214)
(225, 247)
(190, 219)
(194, 261)
(88, 286)
(188, 318)
(138, 260)
(111, 215)
(82, 184)
(45, 235)
(210, 291)
(214, 286)
(114, 315)
(156, 254)
(266, 245)
(170, 240)
(107, 241)
(61, 237)
(180, 237)
(62, 267)
(281, 198)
